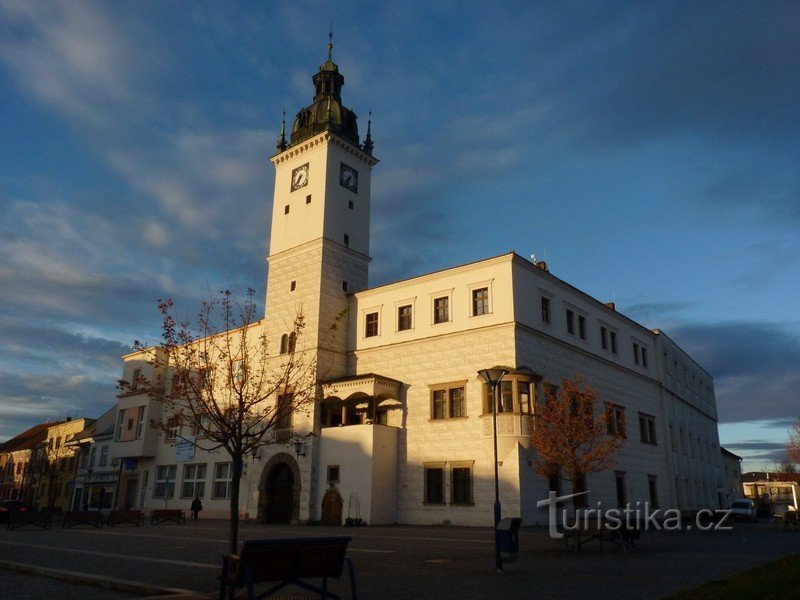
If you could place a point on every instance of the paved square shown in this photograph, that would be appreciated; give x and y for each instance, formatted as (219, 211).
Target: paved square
(403, 562)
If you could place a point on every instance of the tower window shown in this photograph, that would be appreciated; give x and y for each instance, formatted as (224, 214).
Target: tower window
(308, 199)
(570, 322)
(344, 286)
(582, 327)
(292, 286)
(350, 205)
(346, 240)
(286, 209)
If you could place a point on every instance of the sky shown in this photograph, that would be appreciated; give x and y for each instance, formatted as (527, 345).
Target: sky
(648, 151)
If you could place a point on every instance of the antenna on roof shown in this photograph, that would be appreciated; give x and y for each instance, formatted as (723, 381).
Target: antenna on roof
(533, 258)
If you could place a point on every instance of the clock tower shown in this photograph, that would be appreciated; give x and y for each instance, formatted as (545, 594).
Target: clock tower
(319, 241)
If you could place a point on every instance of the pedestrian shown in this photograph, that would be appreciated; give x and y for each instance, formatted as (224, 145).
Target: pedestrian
(197, 506)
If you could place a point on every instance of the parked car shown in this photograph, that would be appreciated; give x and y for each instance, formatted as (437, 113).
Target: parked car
(743, 509)
(7, 506)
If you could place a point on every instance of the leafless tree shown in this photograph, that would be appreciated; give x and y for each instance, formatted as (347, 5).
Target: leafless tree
(216, 378)
(793, 444)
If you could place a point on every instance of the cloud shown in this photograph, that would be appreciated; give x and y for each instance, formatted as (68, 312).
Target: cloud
(649, 313)
(756, 367)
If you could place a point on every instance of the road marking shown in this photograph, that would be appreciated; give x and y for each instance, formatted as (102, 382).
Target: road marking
(148, 535)
(164, 561)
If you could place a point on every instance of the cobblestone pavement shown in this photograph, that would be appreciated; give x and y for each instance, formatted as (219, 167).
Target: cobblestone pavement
(402, 561)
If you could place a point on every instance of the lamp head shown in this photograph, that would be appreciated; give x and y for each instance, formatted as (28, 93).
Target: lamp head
(493, 376)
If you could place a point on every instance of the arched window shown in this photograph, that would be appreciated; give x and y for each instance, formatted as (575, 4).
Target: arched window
(292, 341)
(284, 343)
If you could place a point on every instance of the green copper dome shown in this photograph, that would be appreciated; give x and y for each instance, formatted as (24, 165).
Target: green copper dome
(327, 113)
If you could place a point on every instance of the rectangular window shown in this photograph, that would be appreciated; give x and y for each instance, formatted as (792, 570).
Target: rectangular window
(636, 353)
(622, 496)
(570, 322)
(644, 357)
(222, 481)
(441, 310)
(615, 420)
(371, 325)
(103, 456)
(447, 401)
(647, 429)
(545, 309)
(284, 410)
(582, 327)
(461, 485)
(524, 396)
(140, 422)
(613, 337)
(604, 337)
(173, 428)
(653, 489)
(194, 481)
(439, 404)
(434, 485)
(404, 318)
(456, 402)
(164, 486)
(333, 473)
(137, 376)
(554, 480)
(120, 425)
(506, 402)
(480, 302)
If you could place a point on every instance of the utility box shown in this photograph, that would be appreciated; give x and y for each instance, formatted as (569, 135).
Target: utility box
(507, 536)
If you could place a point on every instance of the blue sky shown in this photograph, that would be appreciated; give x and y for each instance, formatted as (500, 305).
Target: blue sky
(648, 151)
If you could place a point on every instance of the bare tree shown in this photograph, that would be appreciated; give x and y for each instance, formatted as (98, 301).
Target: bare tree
(572, 437)
(53, 457)
(793, 444)
(216, 377)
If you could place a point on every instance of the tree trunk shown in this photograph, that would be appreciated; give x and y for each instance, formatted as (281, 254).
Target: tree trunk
(236, 478)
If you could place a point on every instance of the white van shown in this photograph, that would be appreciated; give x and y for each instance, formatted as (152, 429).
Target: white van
(743, 509)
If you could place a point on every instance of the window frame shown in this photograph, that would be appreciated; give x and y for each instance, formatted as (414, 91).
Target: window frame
(369, 323)
(615, 420)
(436, 310)
(647, 429)
(461, 466)
(479, 307)
(517, 409)
(196, 482)
(445, 391)
(405, 317)
(427, 498)
(219, 480)
(545, 306)
(165, 478)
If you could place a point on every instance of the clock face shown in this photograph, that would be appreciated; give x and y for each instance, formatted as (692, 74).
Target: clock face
(300, 177)
(348, 178)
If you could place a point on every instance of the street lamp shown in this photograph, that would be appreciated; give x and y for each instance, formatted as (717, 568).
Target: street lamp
(492, 377)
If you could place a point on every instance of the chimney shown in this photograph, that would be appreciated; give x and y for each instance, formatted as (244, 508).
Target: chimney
(69, 419)
(542, 265)
(612, 305)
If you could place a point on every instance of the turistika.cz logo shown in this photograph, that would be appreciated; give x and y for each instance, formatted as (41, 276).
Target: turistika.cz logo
(639, 516)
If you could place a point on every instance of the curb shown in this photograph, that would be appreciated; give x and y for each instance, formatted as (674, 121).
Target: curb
(102, 581)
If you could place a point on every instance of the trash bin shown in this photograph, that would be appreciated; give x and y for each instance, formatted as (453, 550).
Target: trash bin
(507, 536)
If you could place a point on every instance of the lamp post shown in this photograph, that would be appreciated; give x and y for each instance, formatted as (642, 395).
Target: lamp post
(492, 377)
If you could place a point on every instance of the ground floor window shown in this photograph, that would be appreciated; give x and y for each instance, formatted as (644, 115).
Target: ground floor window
(461, 485)
(194, 481)
(434, 484)
(222, 480)
(622, 495)
(165, 481)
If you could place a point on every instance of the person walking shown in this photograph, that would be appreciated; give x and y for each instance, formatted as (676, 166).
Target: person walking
(197, 506)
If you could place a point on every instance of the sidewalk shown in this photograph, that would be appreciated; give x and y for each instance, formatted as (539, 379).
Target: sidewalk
(410, 562)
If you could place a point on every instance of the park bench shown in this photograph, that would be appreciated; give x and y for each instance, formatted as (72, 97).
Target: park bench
(167, 514)
(285, 562)
(115, 517)
(20, 518)
(82, 517)
(594, 529)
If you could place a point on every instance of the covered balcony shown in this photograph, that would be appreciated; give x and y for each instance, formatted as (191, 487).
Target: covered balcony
(361, 400)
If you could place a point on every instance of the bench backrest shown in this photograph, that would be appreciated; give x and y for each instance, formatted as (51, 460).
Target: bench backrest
(83, 514)
(167, 512)
(29, 516)
(125, 514)
(278, 560)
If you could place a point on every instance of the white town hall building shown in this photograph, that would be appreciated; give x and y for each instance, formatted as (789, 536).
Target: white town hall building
(402, 427)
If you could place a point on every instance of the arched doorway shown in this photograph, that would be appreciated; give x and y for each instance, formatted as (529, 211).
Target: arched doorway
(279, 491)
(280, 486)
